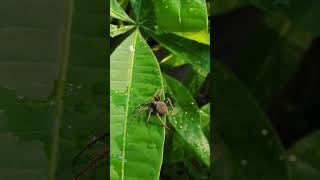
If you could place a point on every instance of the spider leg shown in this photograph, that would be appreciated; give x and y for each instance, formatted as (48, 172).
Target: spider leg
(88, 145)
(150, 111)
(171, 106)
(164, 125)
(158, 93)
(136, 114)
(92, 164)
(139, 107)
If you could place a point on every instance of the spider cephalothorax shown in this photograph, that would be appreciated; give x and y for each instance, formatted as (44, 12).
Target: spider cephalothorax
(158, 107)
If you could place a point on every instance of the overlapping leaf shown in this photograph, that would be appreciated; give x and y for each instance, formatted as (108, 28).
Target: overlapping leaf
(186, 119)
(245, 136)
(184, 15)
(304, 158)
(117, 12)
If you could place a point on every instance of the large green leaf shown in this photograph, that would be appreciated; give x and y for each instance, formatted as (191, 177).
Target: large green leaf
(184, 15)
(136, 149)
(304, 158)
(246, 143)
(54, 80)
(186, 119)
(14, 151)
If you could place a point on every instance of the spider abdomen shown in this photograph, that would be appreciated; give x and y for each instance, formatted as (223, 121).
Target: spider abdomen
(161, 108)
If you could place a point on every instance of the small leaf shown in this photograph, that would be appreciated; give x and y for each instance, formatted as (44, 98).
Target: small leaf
(117, 12)
(116, 31)
(186, 119)
(304, 158)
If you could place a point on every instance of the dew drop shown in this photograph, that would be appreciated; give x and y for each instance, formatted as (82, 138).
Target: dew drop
(199, 126)
(20, 97)
(131, 48)
(186, 112)
(166, 6)
(192, 103)
(205, 151)
(292, 158)
(69, 127)
(94, 138)
(152, 145)
(191, 9)
(180, 127)
(52, 103)
(264, 132)
(244, 162)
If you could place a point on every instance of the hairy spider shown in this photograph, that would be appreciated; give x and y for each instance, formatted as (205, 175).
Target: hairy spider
(95, 161)
(157, 107)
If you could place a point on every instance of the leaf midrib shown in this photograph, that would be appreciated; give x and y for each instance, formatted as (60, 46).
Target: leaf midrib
(127, 106)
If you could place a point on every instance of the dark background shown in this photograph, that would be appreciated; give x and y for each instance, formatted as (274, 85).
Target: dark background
(294, 110)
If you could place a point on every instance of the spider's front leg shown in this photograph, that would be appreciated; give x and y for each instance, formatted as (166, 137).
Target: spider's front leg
(158, 93)
(150, 111)
(168, 101)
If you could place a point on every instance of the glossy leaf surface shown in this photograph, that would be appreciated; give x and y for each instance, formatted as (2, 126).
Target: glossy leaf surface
(117, 12)
(184, 15)
(136, 148)
(186, 119)
(116, 31)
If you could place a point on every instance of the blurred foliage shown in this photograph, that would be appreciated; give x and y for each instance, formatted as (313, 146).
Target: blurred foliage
(247, 145)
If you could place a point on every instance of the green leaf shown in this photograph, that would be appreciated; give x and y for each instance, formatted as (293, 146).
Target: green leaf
(13, 151)
(118, 13)
(136, 149)
(186, 119)
(197, 54)
(304, 158)
(51, 76)
(116, 31)
(251, 148)
(205, 119)
(184, 15)
(144, 13)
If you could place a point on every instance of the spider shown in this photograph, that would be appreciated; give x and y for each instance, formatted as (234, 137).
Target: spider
(95, 161)
(157, 107)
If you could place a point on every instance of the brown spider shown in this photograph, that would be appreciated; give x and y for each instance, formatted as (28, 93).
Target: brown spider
(157, 107)
(95, 161)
